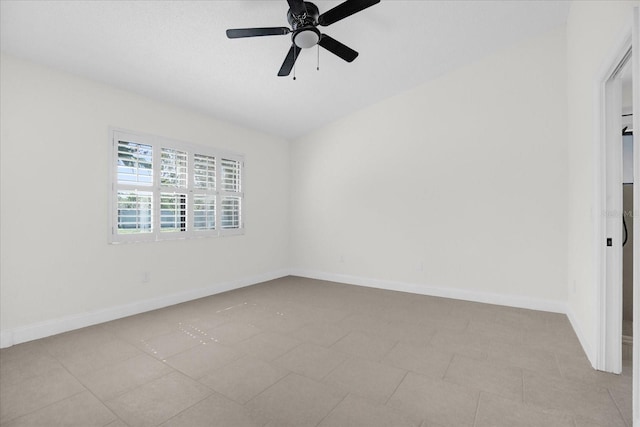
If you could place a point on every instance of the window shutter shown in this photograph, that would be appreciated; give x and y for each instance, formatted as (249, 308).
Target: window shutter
(135, 163)
(163, 189)
(135, 212)
(231, 196)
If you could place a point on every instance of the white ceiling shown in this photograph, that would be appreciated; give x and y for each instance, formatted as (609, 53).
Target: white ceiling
(177, 51)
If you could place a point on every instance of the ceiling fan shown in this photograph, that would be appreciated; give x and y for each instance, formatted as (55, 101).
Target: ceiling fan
(304, 18)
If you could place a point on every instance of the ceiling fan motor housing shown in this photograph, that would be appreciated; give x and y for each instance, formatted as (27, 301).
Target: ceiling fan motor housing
(305, 34)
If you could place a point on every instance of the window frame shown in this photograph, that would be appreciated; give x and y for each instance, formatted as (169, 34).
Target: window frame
(157, 189)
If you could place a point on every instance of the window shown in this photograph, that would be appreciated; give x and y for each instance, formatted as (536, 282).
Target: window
(165, 189)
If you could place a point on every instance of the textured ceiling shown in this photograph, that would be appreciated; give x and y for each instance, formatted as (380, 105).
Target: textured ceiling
(177, 51)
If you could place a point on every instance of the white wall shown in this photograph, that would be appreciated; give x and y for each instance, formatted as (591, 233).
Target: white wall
(58, 271)
(592, 29)
(457, 187)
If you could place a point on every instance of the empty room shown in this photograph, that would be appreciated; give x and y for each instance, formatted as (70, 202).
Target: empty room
(319, 213)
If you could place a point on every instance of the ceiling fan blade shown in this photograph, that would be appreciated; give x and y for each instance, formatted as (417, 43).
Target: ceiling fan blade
(257, 32)
(297, 7)
(289, 61)
(343, 10)
(337, 48)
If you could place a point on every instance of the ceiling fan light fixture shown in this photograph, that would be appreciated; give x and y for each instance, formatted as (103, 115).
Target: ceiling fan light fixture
(306, 37)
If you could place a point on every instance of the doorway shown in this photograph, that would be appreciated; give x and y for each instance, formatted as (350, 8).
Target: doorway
(617, 109)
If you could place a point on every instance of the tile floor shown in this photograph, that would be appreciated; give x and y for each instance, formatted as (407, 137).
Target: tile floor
(301, 352)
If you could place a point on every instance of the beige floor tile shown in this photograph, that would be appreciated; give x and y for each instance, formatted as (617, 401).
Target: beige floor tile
(310, 360)
(363, 322)
(36, 393)
(103, 354)
(496, 411)
(364, 345)
(109, 382)
(199, 360)
(311, 313)
(505, 381)
(232, 332)
(532, 359)
(324, 333)
(525, 319)
(623, 398)
(213, 411)
(163, 346)
(445, 323)
(366, 378)
(244, 379)
(496, 331)
(280, 322)
(571, 397)
(24, 361)
(159, 400)
(436, 401)
(267, 345)
(354, 411)
(586, 422)
(80, 410)
(579, 368)
(462, 343)
(295, 401)
(117, 423)
(424, 359)
(204, 319)
(245, 312)
(140, 327)
(78, 341)
(558, 339)
(474, 310)
(407, 332)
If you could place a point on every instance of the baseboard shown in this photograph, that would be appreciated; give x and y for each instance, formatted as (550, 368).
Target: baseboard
(586, 347)
(461, 294)
(68, 323)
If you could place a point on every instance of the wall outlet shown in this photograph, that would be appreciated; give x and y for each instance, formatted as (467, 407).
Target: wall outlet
(146, 277)
(341, 259)
(420, 266)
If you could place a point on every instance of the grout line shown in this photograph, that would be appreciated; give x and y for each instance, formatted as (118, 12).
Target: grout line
(272, 385)
(624, 420)
(555, 358)
(522, 378)
(444, 374)
(396, 389)
(475, 416)
(347, 358)
(56, 402)
(191, 406)
(333, 409)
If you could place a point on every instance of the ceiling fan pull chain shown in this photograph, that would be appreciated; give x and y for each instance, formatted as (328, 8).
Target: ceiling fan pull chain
(318, 66)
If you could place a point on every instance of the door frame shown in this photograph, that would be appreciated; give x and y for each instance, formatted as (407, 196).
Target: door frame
(607, 167)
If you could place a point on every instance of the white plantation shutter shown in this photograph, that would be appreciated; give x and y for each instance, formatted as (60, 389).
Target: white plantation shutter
(204, 172)
(165, 189)
(133, 197)
(204, 212)
(135, 163)
(230, 195)
(173, 168)
(173, 212)
(204, 193)
(230, 175)
(230, 212)
(135, 212)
